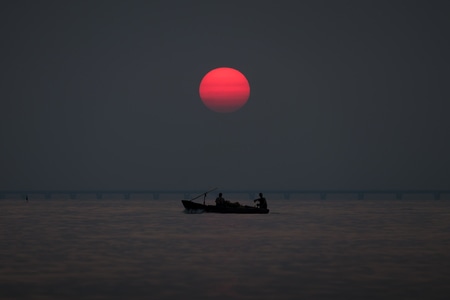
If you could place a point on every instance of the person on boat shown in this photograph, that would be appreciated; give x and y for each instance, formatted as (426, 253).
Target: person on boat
(220, 201)
(262, 203)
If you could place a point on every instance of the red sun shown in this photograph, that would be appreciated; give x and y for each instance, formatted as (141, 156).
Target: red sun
(224, 90)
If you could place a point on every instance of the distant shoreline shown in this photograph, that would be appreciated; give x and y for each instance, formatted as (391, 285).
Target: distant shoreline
(273, 194)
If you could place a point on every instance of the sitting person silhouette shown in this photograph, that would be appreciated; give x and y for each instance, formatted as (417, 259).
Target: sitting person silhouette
(220, 201)
(262, 201)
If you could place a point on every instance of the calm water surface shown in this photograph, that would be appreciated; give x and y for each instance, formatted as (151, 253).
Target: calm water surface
(151, 249)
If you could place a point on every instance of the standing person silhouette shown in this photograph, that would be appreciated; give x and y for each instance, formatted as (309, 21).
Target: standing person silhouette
(262, 201)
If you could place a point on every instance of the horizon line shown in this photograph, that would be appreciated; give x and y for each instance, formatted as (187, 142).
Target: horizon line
(143, 191)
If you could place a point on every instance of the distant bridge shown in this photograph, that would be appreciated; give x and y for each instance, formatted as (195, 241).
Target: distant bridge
(252, 194)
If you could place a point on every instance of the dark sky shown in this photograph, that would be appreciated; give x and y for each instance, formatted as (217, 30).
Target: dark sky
(344, 94)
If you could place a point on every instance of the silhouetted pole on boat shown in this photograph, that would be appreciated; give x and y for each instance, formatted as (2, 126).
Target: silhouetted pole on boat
(203, 194)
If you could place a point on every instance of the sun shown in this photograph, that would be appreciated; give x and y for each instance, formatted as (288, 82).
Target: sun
(224, 90)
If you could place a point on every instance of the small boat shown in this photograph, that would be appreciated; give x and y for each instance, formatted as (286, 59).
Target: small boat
(228, 208)
(189, 205)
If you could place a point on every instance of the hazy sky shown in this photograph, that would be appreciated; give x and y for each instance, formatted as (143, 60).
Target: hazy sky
(344, 94)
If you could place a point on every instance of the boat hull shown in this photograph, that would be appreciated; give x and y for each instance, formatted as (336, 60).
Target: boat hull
(242, 209)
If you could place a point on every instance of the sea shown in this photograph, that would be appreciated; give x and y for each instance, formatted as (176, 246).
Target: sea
(154, 249)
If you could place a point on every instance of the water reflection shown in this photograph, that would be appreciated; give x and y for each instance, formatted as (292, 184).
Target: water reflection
(115, 249)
